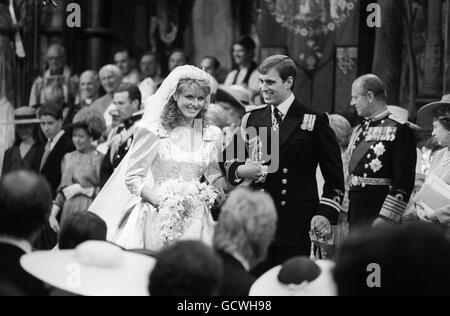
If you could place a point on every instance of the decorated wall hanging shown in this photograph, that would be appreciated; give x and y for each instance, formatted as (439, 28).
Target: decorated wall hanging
(314, 21)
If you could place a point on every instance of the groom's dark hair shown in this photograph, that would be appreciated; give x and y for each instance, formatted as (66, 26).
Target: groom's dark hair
(283, 64)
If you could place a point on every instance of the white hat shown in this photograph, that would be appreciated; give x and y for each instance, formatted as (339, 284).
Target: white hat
(277, 281)
(94, 268)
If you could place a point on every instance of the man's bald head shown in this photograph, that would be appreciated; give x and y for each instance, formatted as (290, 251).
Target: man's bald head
(89, 85)
(373, 84)
(368, 96)
(25, 203)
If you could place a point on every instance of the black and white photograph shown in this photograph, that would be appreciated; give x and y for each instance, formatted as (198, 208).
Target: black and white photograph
(231, 151)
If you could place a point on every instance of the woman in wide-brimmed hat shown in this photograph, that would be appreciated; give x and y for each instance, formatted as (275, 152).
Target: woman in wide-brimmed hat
(80, 181)
(28, 148)
(94, 268)
(436, 116)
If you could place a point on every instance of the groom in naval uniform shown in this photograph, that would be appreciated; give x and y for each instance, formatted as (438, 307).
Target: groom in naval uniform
(127, 100)
(297, 142)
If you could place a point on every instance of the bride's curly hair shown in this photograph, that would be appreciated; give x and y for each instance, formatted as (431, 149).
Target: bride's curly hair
(172, 116)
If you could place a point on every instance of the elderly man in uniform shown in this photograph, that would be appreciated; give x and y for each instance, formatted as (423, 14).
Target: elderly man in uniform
(127, 100)
(382, 158)
(305, 141)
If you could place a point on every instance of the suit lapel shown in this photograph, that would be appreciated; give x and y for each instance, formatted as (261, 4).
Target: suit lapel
(290, 123)
(58, 147)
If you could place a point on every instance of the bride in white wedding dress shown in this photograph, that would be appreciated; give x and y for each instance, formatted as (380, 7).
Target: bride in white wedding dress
(171, 143)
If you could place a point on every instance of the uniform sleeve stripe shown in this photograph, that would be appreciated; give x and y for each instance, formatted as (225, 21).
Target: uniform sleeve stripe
(331, 205)
(396, 202)
(327, 200)
(388, 209)
(394, 206)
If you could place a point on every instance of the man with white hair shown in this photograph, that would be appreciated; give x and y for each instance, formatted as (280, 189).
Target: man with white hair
(58, 72)
(111, 78)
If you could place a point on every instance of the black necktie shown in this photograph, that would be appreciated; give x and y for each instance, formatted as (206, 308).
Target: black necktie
(278, 116)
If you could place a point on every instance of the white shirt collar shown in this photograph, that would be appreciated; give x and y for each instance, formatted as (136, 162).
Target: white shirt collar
(286, 105)
(19, 243)
(56, 139)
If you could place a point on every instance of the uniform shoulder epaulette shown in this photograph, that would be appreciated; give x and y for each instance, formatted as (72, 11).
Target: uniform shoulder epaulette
(309, 121)
(397, 119)
(252, 108)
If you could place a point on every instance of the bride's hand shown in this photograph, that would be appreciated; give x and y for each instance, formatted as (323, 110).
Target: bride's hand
(149, 196)
(156, 203)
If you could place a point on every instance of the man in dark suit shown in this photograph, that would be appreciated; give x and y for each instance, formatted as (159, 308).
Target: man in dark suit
(59, 143)
(127, 100)
(25, 202)
(285, 142)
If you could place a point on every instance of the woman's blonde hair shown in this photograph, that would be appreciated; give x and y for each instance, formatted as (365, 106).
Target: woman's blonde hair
(172, 116)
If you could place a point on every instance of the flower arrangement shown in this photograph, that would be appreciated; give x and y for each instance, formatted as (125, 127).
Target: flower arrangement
(182, 201)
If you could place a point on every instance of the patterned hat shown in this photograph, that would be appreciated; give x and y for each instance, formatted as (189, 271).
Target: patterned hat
(24, 116)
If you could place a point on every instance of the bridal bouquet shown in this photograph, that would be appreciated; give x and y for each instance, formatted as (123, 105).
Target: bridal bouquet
(182, 201)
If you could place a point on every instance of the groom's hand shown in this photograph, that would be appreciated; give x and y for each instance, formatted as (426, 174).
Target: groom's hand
(250, 170)
(321, 225)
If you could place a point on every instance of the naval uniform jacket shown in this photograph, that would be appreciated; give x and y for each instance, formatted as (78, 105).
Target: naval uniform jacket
(115, 155)
(305, 140)
(382, 169)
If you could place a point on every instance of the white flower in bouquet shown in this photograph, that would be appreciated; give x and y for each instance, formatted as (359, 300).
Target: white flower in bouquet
(181, 202)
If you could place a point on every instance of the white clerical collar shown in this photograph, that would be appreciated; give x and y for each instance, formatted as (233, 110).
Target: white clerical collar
(242, 261)
(19, 243)
(286, 105)
(66, 73)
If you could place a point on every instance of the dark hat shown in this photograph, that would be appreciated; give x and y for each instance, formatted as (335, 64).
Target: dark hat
(427, 113)
(236, 95)
(24, 116)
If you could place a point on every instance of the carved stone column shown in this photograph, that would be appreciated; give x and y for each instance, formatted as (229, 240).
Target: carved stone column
(387, 62)
(96, 33)
(433, 51)
(213, 15)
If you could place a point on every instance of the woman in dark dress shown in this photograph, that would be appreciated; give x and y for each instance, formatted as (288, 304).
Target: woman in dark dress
(28, 149)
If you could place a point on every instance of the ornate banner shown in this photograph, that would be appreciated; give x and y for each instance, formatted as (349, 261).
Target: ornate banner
(315, 21)
(311, 17)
